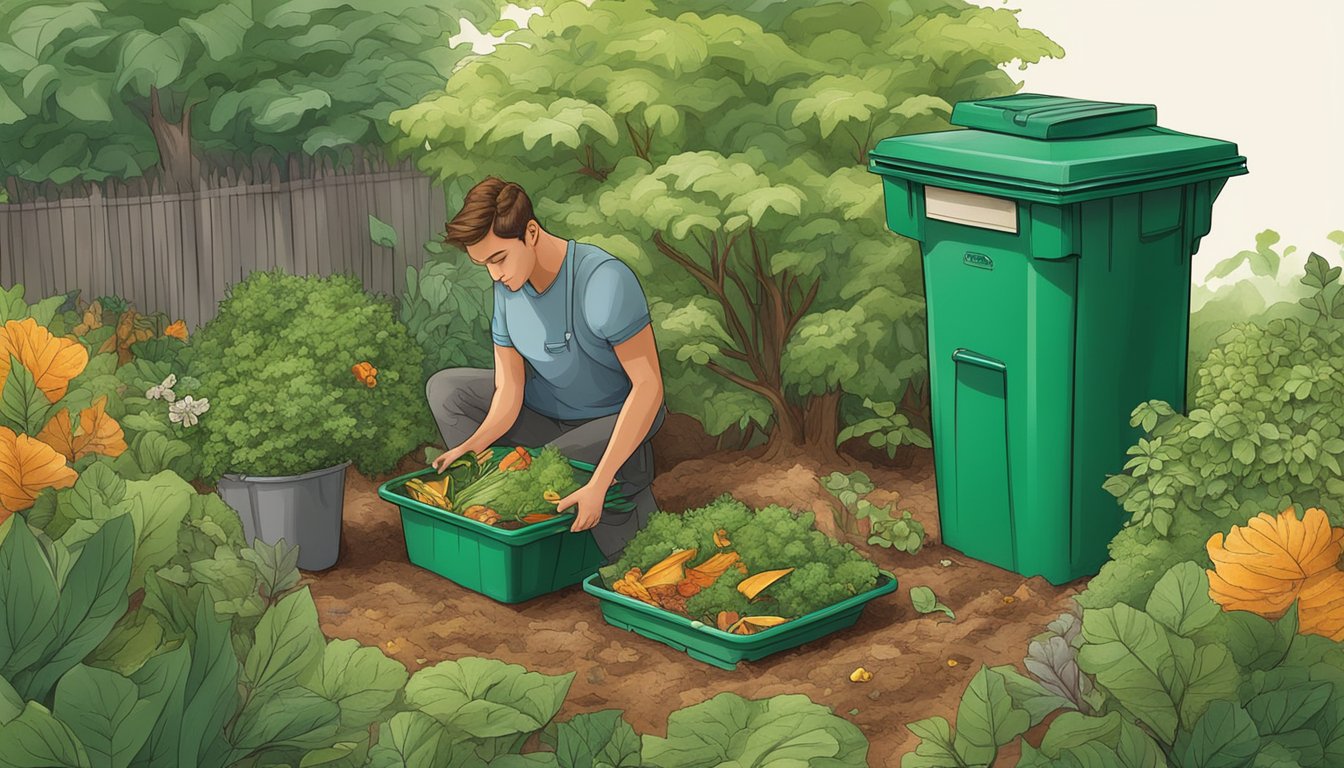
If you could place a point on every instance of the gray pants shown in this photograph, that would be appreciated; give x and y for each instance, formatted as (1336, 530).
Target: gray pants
(459, 398)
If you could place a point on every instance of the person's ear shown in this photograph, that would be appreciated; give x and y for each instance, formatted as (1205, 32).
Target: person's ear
(533, 233)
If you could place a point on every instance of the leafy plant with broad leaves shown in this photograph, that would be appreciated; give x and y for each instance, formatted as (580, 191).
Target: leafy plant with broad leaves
(1263, 432)
(721, 155)
(885, 428)
(93, 89)
(446, 307)
(1178, 683)
(857, 516)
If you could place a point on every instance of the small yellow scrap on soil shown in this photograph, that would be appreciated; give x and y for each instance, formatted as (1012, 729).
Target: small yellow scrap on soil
(860, 675)
(951, 662)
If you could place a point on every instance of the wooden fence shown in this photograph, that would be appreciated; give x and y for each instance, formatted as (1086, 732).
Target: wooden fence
(179, 253)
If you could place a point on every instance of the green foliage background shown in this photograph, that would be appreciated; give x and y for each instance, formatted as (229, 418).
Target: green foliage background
(77, 79)
(722, 156)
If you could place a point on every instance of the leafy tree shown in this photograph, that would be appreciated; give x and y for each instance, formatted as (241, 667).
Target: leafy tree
(92, 89)
(723, 156)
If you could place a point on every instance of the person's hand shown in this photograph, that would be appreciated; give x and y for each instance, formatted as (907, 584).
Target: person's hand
(589, 501)
(448, 457)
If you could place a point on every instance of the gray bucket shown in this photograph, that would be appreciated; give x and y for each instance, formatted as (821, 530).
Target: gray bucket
(301, 509)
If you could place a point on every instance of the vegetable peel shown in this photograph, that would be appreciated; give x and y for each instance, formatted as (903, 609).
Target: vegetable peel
(754, 585)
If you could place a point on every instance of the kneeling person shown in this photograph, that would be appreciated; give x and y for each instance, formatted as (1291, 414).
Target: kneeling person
(576, 366)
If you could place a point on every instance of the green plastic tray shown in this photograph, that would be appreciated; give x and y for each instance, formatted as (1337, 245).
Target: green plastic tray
(507, 565)
(714, 646)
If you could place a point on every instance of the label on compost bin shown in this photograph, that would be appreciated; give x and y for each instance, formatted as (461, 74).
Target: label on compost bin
(978, 260)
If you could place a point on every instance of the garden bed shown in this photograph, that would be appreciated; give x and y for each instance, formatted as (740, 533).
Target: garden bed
(375, 595)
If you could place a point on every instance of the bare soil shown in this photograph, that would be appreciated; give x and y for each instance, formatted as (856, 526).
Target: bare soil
(920, 663)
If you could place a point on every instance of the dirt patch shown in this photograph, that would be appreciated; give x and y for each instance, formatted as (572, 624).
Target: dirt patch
(374, 594)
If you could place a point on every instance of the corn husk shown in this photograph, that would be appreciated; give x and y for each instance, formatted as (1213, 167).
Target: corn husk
(750, 625)
(669, 570)
(754, 585)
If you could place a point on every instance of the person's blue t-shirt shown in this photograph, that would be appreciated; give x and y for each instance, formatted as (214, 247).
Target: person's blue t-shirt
(579, 377)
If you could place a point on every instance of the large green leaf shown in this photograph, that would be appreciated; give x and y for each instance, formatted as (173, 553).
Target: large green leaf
(289, 643)
(292, 717)
(162, 680)
(360, 680)
(485, 698)
(413, 740)
(23, 407)
(987, 719)
(1180, 601)
(594, 740)
(935, 746)
(29, 600)
(106, 712)
(1124, 649)
(150, 60)
(211, 692)
(221, 29)
(37, 27)
(36, 739)
(158, 507)
(1224, 737)
(1257, 643)
(92, 599)
(783, 730)
(135, 637)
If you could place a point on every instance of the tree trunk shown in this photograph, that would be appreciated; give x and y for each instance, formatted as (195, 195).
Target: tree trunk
(177, 165)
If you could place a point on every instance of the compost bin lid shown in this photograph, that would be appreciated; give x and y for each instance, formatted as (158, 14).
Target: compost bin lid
(1055, 149)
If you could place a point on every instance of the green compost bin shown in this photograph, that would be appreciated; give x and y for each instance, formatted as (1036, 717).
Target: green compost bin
(510, 566)
(1056, 237)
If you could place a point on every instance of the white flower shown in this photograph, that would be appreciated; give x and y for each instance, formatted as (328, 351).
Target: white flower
(187, 411)
(164, 390)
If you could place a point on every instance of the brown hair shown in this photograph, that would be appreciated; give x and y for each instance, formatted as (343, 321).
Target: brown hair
(492, 205)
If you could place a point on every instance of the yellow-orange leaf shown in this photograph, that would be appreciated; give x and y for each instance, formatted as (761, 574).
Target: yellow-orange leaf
(177, 330)
(1263, 566)
(669, 570)
(1269, 548)
(59, 435)
(52, 360)
(28, 465)
(721, 538)
(726, 619)
(753, 585)
(1322, 606)
(98, 432)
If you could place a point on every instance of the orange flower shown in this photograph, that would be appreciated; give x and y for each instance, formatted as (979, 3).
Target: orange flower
(177, 330)
(1261, 567)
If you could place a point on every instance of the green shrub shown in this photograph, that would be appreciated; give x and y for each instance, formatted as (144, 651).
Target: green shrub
(276, 363)
(1265, 431)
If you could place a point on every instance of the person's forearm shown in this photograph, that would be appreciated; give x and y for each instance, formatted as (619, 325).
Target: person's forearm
(632, 424)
